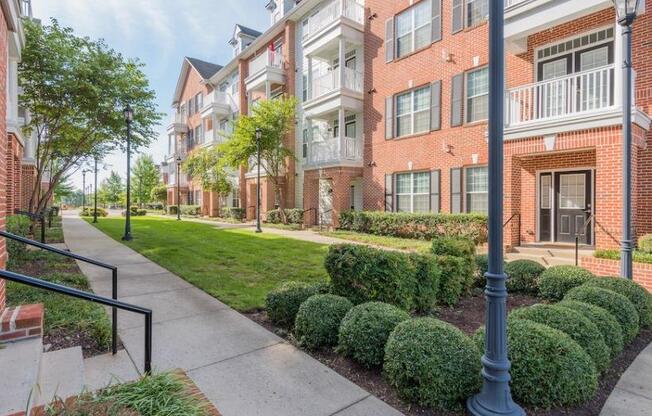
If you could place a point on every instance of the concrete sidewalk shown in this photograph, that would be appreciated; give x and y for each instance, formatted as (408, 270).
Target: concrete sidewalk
(242, 368)
(633, 393)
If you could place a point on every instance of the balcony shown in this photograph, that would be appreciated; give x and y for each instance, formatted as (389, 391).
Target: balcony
(265, 69)
(178, 123)
(333, 90)
(337, 151)
(338, 19)
(216, 103)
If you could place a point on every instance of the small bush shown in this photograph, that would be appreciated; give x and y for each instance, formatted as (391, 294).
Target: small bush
(481, 267)
(453, 246)
(606, 323)
(427, 281)
(237, 214)
(557, 280)
(432, 363)
(365, 330)
(192, 210)
(645, 243)
(172, 210)
(572, 323)
(616, 304)
(293, 215)
(523, 276)
(88, 212)
(282, 303)
(453, 279)
(18, 225)
(636, 294)
(156, 206)
(318, 320)
(638, 255)
(548, 367)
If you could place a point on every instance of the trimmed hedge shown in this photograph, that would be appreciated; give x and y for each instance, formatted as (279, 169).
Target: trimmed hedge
(523, 276)
(294, 216)
(555, 282)
(18, 225)
(365, 330)
(427, 275)
(636, 294)
(572, 323)
(605, 321)
(548, 367)
(88, 212)
(638, 255)
(318, 320)
(645, 243)
(432, 363)
(191, 210)
(419, 226)
(616, 304)
(453, 281)
(282, 303)
(237, 214)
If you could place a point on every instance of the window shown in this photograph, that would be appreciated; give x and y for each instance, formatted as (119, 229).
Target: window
(477, 95)
(304, 144)
(235, 197)
(224, 123)
(199, 101)
(572, 188)
(477, 12)
(413, 112)
(413, 28)
(197, 198)
(413, 192)
(199, 137)
(477, 185)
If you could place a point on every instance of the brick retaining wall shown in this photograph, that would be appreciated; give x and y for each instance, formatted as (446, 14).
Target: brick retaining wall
(607, 267)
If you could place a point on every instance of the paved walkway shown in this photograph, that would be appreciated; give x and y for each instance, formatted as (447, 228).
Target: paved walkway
(242, 368)
(633, 393)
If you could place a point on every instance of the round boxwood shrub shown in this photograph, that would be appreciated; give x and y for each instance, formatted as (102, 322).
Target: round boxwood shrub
(365, 329)
(432, 363)
(548, 367)
(557, 280)
(632, 291)
(616, 304)
(282, 303)
(606, 323)
(318, 320)
(523, 276)
(572, 323)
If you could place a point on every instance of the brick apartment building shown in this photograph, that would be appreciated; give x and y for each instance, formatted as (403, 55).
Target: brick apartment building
(401, 125)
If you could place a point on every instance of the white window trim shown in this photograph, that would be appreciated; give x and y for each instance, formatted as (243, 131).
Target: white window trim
(468, 24)
(465, 186)
(413, 29)
(411, 194)
(411, 113)
(468, 97)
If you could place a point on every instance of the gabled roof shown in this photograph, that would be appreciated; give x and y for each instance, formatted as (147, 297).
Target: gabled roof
(248, 31)
(205, 70)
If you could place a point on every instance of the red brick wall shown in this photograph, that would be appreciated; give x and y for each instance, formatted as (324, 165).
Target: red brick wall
(28, 182)
(341, 178)
(606, 267)
(3, 149)
(14, 173)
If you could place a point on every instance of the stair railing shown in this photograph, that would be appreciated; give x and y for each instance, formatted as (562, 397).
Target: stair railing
(585, 227)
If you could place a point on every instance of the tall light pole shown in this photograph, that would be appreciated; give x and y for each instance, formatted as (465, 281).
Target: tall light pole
(259, 136)
(129, 118)
(495, 398)
(178, 160)
(95, 195)
(626, 14)
(84, 172)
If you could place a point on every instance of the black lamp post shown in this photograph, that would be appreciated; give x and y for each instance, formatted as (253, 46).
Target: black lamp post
(178, 160)
(95, 195)
(259, 136)
(495, 398)
(626, 14)
(129, 118)
(84, 172)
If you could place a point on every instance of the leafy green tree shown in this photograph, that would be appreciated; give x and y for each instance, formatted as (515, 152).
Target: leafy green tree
(208, 166)
(64, 189)
(159, 193)
(275, 118)
(75, 90)
(145, 176)
(112, 190)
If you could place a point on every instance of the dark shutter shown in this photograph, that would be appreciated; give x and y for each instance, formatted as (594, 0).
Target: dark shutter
(435, 105)
(436, 20)
(457, 100)
(389, 40)
(458, 15)
(435, 194)
(389, 117)
(456, 190)
(389, 192)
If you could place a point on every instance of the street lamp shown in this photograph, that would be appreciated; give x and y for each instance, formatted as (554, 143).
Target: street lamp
(626, 13)
(495, 398)
(259, 136)
(129, 118)
(84, 172)
(178, 160)
(95, 195)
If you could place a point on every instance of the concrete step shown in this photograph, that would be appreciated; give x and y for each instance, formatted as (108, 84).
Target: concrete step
(19, 368)
(551, 251)
(547, 261)
(108, 369)
(61, 375)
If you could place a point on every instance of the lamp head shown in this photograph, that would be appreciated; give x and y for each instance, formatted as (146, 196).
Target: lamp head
(626, 11)
(259, 134)
(128, 113)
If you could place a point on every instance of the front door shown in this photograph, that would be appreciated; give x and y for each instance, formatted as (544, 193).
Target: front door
(573, 204)
(325, 201)
(546, 192)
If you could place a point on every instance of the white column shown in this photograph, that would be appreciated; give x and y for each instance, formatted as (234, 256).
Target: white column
(309, 87)
(618, 64)
(342, 128)
(310, 138)
(268, 90)
(342, 52)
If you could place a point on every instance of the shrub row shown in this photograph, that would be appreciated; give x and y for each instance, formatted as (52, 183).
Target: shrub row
(88, 212)
(419, 226)
(555, 282)
(282, 303)
(639, 256)
(193, 210)
(645, 244)
(18, 225)
(237, 214)
(293, 215)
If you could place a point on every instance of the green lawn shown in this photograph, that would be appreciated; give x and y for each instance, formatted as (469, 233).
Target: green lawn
(234, 265)
(382, 241)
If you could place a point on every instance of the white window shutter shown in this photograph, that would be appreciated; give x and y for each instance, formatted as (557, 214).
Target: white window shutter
(389, 40)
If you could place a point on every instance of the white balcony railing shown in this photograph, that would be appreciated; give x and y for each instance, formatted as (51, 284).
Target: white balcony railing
(350, 9)
(579, 93)
(329, 150)
(269, 59)
(178, 118)
(216, 97)
(510, 3)
(330, 82)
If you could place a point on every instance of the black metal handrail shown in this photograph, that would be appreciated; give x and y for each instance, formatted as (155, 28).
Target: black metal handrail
(311, 209)
(517, 214)
(91, 297)
(585, 227)
(114, 276)
(321, 217)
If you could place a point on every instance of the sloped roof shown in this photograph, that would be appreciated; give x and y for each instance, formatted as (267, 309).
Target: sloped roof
(248, 31)
(205, 69)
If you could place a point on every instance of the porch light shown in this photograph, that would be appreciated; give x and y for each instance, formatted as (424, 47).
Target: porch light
(129, 114)
(626, 10)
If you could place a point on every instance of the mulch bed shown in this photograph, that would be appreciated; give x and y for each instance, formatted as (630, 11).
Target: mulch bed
(62, 338)
(468, 315)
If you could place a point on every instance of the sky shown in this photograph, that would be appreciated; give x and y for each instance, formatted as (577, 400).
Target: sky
(159, 33)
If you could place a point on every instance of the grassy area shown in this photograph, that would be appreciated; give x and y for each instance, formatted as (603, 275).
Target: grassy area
(236, 266)
(379, 240)
(639, 256)
(165, 394)
(288, 227)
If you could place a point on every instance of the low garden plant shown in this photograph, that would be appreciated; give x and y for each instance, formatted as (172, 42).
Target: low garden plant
(236, 214)
(89, 212)
(293, 215)
(318, 320)
(639, 256)
(640, 298)
(603, 320)
(282, 303)
(523, 276)
(365, 329)
(456, 258)
(556, 281)
(645, 244)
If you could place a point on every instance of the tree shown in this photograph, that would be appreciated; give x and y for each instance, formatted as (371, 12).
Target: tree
(112, 190)
(63, 190)
(75, 90)
(275, 118)
(159, 193)
(146, 176)
(208, 166)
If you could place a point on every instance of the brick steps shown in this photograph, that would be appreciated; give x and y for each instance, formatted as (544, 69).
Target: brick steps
(19, 366)
(21, 322)
(61, 375)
